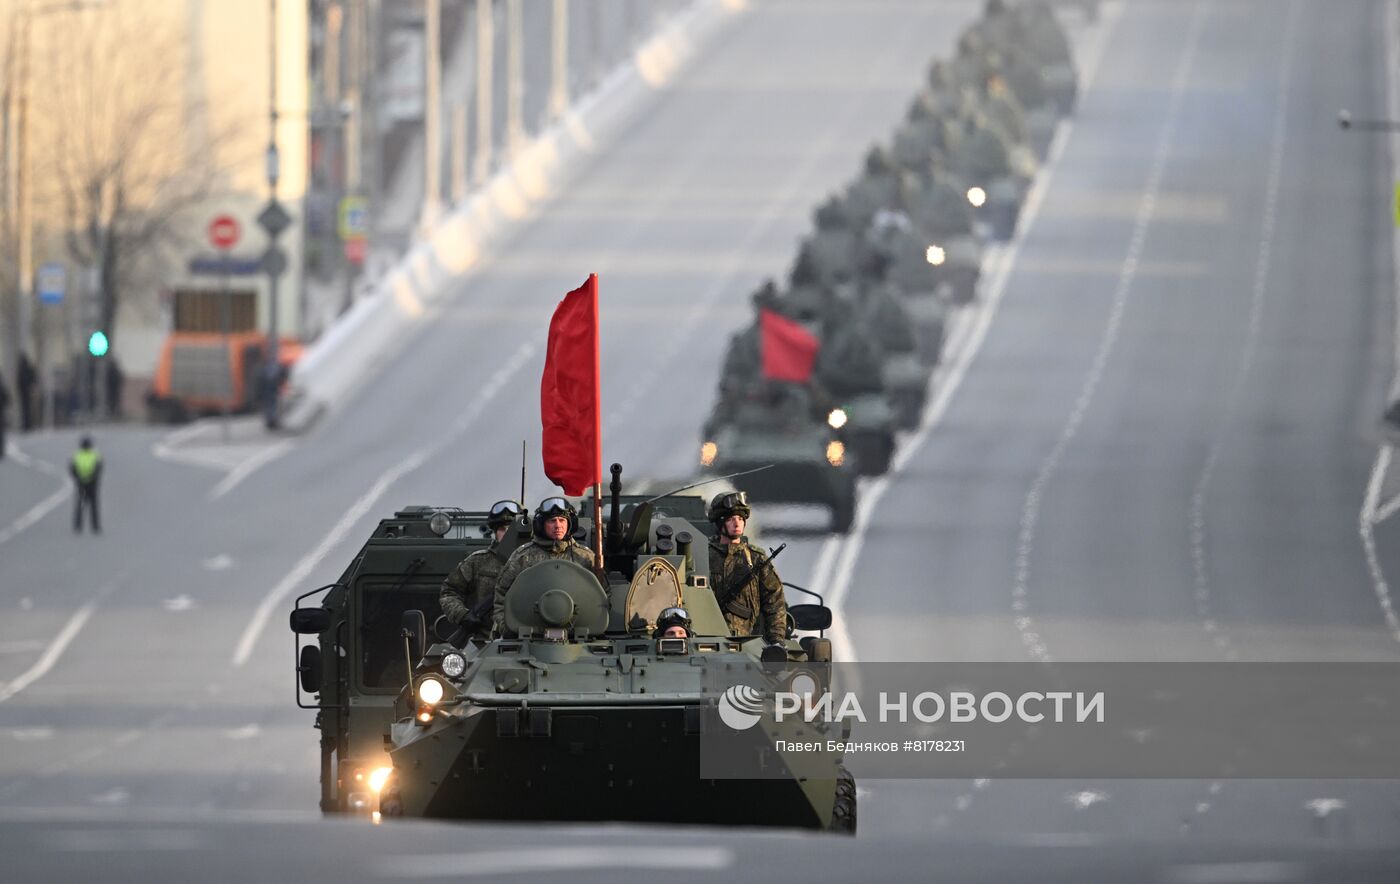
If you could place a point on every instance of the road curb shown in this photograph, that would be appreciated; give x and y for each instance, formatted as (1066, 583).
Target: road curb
(366, 337)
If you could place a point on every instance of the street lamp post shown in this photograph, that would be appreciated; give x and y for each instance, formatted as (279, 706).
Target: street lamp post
(274, 220)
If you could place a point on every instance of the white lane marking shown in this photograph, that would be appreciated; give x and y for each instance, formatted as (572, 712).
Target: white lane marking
(37, 512)
(1085, 799)
(248, 467)
(112, 797)
(1197, 520)
(32, 463)
(997, 265)
(169, 448)
(338, 533)
(246, 732)
(1368, 542)
(1030, 512)
(55, 650)
(92, 753)
(1323, 807)
(221, 562)
(483, 863)
(1370, 505)
(179, 604)
(1385, 512)
(31, 734)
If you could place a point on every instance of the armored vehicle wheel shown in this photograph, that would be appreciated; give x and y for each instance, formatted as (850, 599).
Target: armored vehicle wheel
(874, 453)
(843, 814)
(843, 513)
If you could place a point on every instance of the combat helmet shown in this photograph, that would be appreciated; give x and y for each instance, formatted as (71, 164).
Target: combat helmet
(554, 506)
(502, 514)
(726, 504)
(672, 616)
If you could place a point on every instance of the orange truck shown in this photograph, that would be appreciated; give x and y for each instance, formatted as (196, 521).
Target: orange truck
(206, 373)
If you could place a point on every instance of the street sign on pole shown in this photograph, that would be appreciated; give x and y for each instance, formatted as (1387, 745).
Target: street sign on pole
(274, 219)
(51, 283)
(353, 218)
(224, 232)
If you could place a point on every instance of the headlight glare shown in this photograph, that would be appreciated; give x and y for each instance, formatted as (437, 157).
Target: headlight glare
(977, 196)
(837, 419)
(379, 778)
(936, 255)
(835, 452)
(430, 691)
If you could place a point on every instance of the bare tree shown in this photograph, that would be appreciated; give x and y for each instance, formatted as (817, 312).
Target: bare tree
(131, 149)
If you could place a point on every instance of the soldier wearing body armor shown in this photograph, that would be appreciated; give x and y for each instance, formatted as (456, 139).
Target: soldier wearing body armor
(748, 588)
(468, 593)
(554, 524)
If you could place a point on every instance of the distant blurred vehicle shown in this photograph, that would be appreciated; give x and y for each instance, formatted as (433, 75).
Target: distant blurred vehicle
(206, 373)
(807, 458)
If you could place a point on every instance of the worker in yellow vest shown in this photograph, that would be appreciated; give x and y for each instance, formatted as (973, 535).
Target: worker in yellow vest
(87, 472)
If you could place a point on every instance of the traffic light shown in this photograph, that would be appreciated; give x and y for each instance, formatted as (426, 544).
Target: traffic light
(97, 344)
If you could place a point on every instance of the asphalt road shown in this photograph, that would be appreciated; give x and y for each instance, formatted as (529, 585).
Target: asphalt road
(1157, 442)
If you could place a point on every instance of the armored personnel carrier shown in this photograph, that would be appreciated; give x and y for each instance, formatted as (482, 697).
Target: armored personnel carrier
(778, 426)
(584, 712)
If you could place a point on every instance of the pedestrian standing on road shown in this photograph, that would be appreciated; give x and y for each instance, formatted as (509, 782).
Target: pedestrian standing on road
(4, 413)
(25, 383)
(86, 468)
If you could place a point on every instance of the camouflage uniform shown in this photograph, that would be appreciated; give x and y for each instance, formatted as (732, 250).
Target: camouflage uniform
(762, 598)
(533, 553)
(466, 590)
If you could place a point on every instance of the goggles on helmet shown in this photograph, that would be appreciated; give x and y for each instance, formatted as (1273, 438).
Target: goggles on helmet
(733, 500)
(673, 615)
(505, 508)
(554, 506)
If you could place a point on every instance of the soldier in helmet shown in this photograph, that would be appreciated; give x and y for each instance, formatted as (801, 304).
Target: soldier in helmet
(554, 524)
(468, 592)
(745, 583)
(673, 623)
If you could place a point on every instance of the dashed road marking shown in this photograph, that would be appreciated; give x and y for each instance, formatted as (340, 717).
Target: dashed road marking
(294, 578)
(1030, 513)
(964, 343)
(1197, 527)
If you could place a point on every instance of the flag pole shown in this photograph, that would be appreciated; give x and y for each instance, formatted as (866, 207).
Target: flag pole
(597, 437)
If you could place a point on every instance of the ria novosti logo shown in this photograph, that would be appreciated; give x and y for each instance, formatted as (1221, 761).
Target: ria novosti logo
(741, 706)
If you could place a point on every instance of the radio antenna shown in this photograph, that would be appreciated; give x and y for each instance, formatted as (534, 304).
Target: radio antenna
(767, 466)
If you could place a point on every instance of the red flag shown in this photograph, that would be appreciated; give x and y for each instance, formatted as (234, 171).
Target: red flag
(569, 393)
(788, 349)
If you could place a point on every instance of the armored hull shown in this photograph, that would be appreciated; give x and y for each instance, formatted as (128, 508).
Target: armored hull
(604, 760)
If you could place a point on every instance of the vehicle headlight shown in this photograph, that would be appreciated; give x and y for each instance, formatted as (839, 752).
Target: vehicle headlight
(430, 691)
(440, 524)
(837, 419)
(453, 665)
(935, 255)
(835, 452)
(977, 196)
(708, 451)
(379, 778)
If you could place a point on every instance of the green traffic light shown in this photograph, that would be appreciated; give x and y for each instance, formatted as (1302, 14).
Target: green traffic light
(97, 344)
